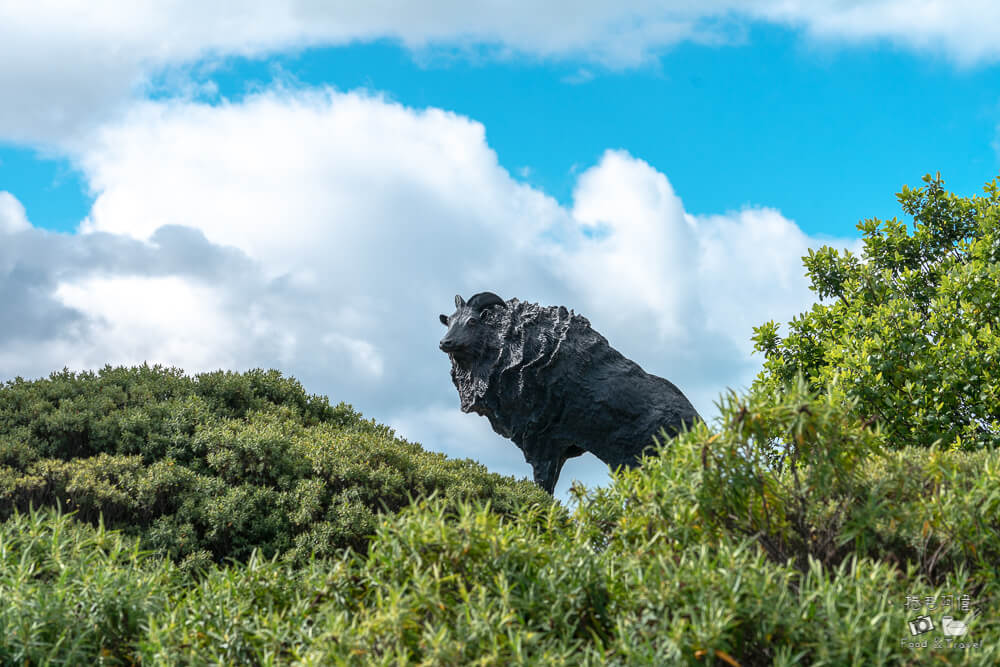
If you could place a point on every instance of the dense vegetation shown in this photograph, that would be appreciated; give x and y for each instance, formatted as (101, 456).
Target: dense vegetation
(913, 328)
(216, 466)
(808, 525)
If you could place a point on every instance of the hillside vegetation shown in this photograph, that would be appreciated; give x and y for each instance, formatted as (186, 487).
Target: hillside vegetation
(215, 466)
(154, 518)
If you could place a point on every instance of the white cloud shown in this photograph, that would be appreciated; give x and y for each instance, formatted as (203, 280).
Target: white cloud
(645, 243)
(78, 63)
(322, 233)
(331, 162)
(967, 31)
(12, 215)
(766, 247)
(168, 320)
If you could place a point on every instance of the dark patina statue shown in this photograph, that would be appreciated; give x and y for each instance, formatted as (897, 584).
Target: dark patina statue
(554, 386)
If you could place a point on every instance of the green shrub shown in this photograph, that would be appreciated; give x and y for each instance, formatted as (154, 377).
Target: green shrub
(910, 328)
(786, 468)
(222, 463)
(72, 594)
(786, 533)
(642, 572)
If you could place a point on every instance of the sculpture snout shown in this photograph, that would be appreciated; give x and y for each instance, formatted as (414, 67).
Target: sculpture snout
(448, 345)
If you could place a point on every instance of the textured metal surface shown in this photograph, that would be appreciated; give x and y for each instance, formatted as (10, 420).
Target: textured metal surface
(549, 382)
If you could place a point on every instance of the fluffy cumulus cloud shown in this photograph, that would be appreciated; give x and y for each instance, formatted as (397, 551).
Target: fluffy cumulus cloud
(78, 62)
(12, 216)
(73, 300)
(966, 31)
(322, 233)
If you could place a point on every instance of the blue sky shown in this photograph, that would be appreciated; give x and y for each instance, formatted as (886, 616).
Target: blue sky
(773, 119)
(307, 191)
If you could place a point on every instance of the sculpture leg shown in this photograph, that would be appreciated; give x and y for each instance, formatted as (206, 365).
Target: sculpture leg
(547, 473)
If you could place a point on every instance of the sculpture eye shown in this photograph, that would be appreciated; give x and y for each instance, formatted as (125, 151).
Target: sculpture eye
(473, 321)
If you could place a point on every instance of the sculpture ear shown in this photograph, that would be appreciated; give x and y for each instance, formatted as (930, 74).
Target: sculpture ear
(459, 301)
(444, 319)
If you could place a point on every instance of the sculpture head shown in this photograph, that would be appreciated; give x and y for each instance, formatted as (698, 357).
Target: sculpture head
(467, 335)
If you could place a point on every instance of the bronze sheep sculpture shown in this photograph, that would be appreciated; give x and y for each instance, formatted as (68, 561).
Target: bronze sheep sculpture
(546, 380)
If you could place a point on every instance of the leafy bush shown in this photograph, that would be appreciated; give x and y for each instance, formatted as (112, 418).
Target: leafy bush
(219, 464)
(726, 547)
(787, 469)
(912, 331)
(805, 536)
(73, 594)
